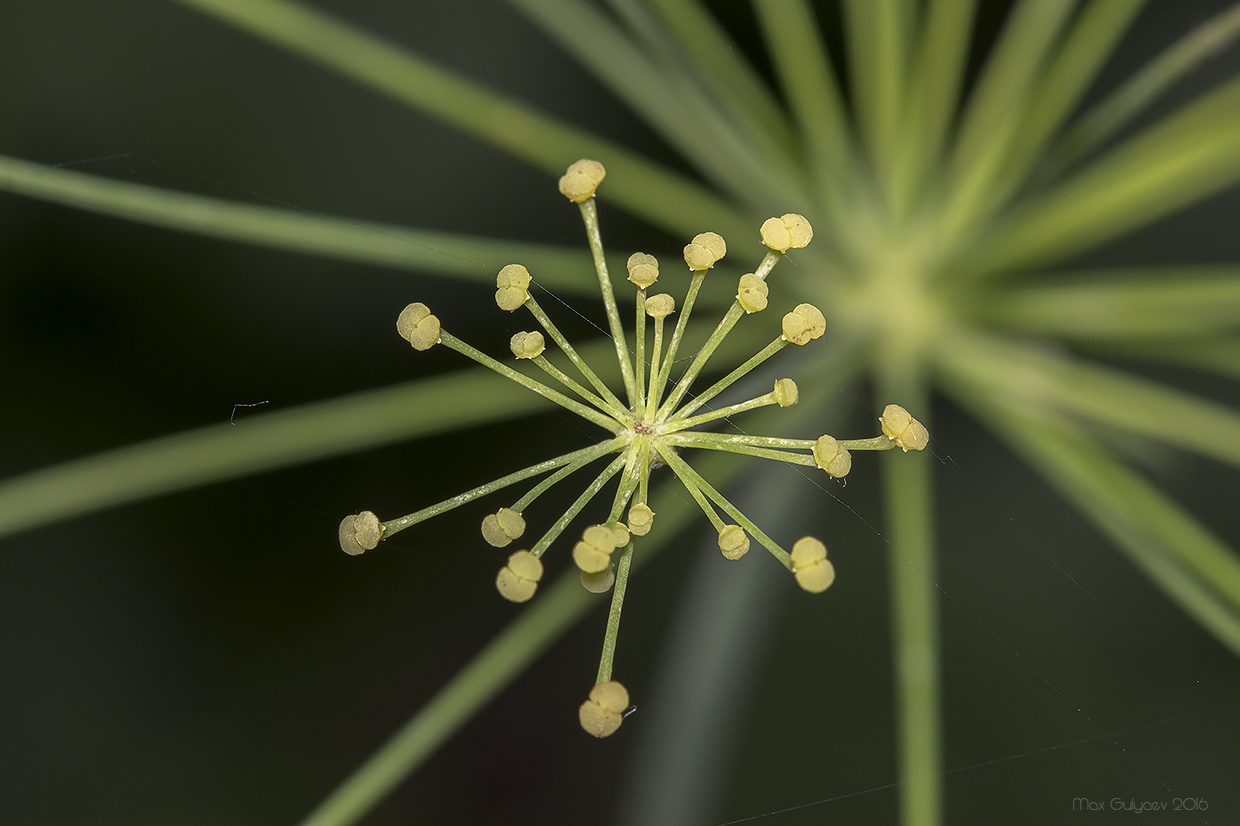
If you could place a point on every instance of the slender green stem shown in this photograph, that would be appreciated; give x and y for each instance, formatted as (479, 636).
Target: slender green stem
(613, 616)
(876, 443)
(628, 484)
(722, 69)
(585, 455)
(914, 604)
(684, 471)
(640, 357)
(563, 473)
(643, 474)
(665, 369)
(934, 90)
(727, 381)
(581, 364)
(640, 186)
(344, 238)
(720, 332)
(1177, 553)
(619, 414)
(696, 437)
(589, 214)
(1107, 117)
(657, 352)
(808, 80)
(504, 657)
(584, 499)
(759, 452)
(725, 412)
(1087, 47)
(703, 502)
(452, 342)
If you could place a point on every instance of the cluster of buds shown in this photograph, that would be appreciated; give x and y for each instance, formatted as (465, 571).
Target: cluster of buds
(648, 429)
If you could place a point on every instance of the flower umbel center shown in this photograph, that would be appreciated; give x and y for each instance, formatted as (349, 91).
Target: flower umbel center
(650, 428)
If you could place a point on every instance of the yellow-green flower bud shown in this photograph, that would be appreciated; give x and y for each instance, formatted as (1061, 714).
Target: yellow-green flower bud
(512, 287)
(832, 458)
(660, 306)
(527, 345)
(903, 429)
(601, 582)
(418, 326)
(643, 269)
(804, 324)
(787, 231)
(603, 713)
(518, 580)
(786, 393)
(814, 572)
(360, 533)
(704, 250)
(502, 527)
(641, 519)
(751, 293)
(581, 180)
(733, 542)
(593, 553)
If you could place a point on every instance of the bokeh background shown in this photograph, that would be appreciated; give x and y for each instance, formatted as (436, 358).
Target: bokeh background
(211, 656)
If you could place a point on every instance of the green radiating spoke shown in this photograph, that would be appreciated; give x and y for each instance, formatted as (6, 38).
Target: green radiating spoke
(1159, 303)
(1185, 157)
(646, 189)
(942, 50)
(1110, 397)
(1180, 556)
(1091, 40)
(908, 502)
(809, 82)
(993, 112)
(686, 120)
(456, 254)
(1106, 118)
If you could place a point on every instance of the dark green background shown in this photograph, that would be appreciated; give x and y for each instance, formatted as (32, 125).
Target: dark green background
(211, 657)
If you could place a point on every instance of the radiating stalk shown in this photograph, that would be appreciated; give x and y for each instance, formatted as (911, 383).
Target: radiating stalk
(344, 238)
(504, 122)
(908, 498)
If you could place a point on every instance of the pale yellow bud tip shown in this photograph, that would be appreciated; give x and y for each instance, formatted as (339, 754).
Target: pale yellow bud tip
(660, 306)
(581, 180)
(903, 429)
(814, 572)
(641, 519)
(704, 251)
(418, 326)
(751, 293)
(593, 553)
(786, 232)
(527, 345)
(502, 527)
(832, 458)
(804, 324)
(732, 542)
(360, 533)
(603, 712)
(786, 393)
(643, 269)
(601, 582)
(512, 287)
(518, 580)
